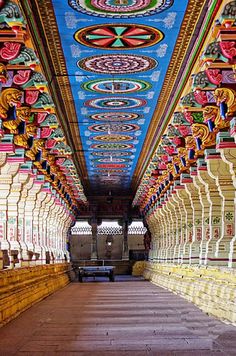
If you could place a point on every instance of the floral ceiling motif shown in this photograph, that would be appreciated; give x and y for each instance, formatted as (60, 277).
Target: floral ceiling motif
(116, 70)
(120, 8)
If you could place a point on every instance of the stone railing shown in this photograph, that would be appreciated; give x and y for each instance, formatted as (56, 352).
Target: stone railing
(212, 289)
(23, 287)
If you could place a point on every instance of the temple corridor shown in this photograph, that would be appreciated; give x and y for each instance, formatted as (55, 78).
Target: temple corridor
(128, 317)
(118, 156)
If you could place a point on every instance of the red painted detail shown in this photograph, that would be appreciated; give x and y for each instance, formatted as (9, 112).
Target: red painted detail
(214, 76)
(31, 96)
(41, 117)
(45, 132)
(50, 143)
(226, 145)
(21, 77)
(228, 49)
(10, 50)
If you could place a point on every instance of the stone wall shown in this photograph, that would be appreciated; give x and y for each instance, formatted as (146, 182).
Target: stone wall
(80, 246)
(23, 287)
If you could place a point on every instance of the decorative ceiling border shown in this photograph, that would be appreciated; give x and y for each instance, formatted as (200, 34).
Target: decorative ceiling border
(42, 21)
(174, 73)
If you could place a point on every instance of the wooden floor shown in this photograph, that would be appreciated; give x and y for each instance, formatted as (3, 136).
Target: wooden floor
(127, 317)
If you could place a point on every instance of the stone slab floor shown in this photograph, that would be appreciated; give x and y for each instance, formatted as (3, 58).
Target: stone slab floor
(128, 317)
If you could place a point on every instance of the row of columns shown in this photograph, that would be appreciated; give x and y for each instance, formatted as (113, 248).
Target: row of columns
(34, 220)
(195, 220)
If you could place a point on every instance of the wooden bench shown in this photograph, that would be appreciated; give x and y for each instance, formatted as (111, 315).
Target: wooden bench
(93, 271)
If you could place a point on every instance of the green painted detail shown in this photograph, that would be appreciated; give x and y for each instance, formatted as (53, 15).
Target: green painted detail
(97, 37)
(141, 37)
(117, 43)
(119, 30)
(229, 216)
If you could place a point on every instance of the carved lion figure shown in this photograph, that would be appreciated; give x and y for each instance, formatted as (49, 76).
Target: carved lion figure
(9, 97)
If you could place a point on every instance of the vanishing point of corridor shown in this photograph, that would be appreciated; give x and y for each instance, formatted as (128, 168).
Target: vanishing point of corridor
(128, 317)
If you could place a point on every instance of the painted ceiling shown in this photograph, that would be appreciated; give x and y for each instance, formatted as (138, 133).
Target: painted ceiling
(117, 53)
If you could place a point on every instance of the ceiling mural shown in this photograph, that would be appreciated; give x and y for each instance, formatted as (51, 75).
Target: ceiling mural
(117, 53)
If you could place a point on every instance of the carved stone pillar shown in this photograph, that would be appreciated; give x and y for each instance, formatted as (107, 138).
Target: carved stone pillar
(29, 217)
(153, 227)
(197, 234)
(187, 222)
(205, 204)
(22, 220)
(227, 148)
(94, 251)
(13, 200)
(179, 223)
(173, 219)
(168, 228)
(214, 220)
(125, 252)
(219, 170)
(3, 157)
(161, 238)
(8, 172)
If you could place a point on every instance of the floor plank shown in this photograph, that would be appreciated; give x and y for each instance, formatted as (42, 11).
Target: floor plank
(128, 317)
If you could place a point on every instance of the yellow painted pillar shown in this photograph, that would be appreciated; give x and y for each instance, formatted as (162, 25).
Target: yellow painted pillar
(164, 232)
(151, 221)
(160, 232)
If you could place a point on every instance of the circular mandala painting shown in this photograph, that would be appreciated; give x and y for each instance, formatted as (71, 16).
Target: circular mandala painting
(115, 103)
(111, 159)
(112, 146)
(111, 165)
(120, 8)
(115, 116)
(113, 138)
(117, 64)
(111, 153)
(116, 86)
(118, 36)
(114, 128)
(110, 171)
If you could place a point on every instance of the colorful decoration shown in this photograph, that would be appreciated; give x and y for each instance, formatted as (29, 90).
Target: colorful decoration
(115, 116)
(121, 8)
(111, 153)
(114, 128)
(118, 36)
(116, 103)
(117, 64)
(116, 86)
(112, 146)
(113, 138)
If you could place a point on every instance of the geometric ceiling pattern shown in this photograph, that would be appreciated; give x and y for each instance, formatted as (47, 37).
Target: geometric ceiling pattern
(117, 53)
